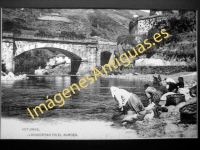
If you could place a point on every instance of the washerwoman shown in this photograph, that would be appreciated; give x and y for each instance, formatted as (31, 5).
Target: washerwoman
(127, 101)
(152, 94)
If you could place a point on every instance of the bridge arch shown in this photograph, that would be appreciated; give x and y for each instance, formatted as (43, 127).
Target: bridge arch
(88, 51)
(75, 59)
(22, 46)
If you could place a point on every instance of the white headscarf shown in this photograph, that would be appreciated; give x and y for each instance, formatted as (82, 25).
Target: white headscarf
(121, 95)
(113, 89)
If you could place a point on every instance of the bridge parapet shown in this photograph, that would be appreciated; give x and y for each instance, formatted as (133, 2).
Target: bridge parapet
(47, 38)
(89, 50)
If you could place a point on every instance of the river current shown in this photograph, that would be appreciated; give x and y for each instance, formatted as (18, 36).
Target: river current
(92, 103)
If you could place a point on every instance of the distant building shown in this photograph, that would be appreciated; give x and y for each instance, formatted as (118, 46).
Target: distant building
(57, 59)
(61, 58)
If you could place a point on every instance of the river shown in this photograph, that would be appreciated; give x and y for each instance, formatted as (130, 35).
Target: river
(93, 103)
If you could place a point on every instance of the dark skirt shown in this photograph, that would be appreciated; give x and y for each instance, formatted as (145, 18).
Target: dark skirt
(180, 85)
(155, 97)
(172, 87)
(134, 103)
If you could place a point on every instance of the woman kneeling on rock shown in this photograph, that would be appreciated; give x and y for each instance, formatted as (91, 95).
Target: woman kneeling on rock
(126, 100)
(152, 94)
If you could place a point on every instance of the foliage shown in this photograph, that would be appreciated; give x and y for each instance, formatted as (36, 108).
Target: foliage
(100, 20)
(82, 24)
(43, 32)
(132, 24)
(127, 39)
(175, 24)
(72, 35)
(12, 26)
(183, 22)
(30, 61)
(94, 33)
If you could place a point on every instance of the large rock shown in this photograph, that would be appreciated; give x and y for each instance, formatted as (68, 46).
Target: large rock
(141, 117)
(185, 91)
(151, 62)
(40, 71)
(149, 116)
(11, 75)
(130, 112)
(190, 133)
(163, 115)
(171, 108)
(157, 62)
(62, 69)
(162, 103)
(171, 128)
(130, 117)
(179, 106)
(191, 100)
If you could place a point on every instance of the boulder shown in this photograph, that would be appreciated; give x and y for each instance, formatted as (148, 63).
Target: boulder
(171, 128)
(130, 117)
(191, 100)
(10, 76)
(40, 71)
(130, 112)
(171, 108)
(163, 115)
(179, 106)
(185, 91)
(162, 103)
(124, 123)
(141, 117)
(149, 116)
(151, 62)
(190, 133)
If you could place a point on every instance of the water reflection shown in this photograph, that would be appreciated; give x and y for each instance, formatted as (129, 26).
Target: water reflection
(94, 101)
(5, 83)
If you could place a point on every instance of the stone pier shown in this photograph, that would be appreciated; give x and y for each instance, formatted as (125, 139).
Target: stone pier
(88, 51)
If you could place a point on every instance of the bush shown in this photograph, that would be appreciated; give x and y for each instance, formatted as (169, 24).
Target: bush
(43, 32)
(183, 22)
(72, 35)
(94, 33)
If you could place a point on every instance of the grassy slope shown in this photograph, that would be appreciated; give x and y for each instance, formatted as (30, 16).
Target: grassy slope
(106, 23)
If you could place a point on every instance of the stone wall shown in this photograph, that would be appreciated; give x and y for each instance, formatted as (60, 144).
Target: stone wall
(94, 56)
(146, 23)
(7, 54)
(90, 53)
(105, 46)
(78, 49)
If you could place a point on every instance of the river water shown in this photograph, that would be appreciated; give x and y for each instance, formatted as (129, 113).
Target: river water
(89, 113)
(93, 102)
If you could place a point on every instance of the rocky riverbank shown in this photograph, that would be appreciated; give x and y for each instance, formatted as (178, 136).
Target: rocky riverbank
(190, 78)
(168, 124)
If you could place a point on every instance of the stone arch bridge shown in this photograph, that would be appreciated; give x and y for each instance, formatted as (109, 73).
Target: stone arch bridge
(88, 51)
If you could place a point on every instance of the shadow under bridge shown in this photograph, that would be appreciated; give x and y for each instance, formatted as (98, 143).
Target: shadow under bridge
(75, 59)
